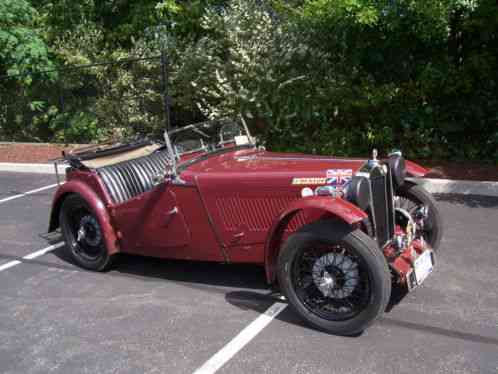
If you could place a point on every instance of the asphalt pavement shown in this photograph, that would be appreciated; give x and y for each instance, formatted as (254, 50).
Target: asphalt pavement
(157, 316)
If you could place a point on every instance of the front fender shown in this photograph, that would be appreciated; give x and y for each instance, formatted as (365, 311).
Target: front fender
(98, 207)
(334, 207)
(415, 170)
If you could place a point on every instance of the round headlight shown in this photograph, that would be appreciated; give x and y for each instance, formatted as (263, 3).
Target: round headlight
(306, 192)
(359, 192)
(396, 163)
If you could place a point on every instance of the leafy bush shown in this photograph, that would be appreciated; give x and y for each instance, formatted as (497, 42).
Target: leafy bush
(344, 76)
(321, 76)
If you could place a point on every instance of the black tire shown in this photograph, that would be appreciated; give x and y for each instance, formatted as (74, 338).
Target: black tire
(413, 195)
(89, 252)
(358, 247)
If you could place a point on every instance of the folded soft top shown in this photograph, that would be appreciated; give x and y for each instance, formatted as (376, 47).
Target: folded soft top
(98, 156)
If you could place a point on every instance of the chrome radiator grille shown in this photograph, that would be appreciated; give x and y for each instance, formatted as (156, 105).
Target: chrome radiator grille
(382, 209)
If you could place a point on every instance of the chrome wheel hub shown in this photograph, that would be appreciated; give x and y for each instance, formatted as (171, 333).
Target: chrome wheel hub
(89, 231)
(335, 275)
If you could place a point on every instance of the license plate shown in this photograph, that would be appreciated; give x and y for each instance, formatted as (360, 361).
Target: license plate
(423, 266)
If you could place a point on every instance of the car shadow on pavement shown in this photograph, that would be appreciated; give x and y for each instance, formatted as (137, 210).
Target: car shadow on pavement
(251, 290)
(260, 302)
(208, 276)
(244, 286)
(435, 330)
(192, 272)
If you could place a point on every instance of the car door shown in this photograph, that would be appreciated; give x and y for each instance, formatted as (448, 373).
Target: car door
(152, 222)
(161, 221)
(170, 222)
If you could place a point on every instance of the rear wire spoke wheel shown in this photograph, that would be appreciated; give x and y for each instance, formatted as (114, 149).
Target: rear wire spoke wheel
(83, 234)
(335, 277)
(412, 197)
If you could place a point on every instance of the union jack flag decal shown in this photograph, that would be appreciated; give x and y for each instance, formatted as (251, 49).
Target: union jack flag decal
(339, 177)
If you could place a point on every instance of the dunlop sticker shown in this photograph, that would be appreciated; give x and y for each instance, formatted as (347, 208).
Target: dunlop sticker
(308, 181)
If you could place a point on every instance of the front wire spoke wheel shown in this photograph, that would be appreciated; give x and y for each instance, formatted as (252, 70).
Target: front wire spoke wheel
(335, 277)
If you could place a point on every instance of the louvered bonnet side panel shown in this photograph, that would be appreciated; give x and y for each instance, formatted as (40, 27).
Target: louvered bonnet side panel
(257, 214)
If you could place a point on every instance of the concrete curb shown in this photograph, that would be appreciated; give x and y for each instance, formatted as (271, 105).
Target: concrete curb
(447, 186)
(442, 186)
(31, 168)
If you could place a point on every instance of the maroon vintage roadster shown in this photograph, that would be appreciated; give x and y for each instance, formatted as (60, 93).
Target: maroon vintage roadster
(335, 235)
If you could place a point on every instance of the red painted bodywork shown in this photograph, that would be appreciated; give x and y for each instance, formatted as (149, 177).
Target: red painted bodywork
(237, 206)
(87, 186)
(402, 264)
(315, 207)
(414, 169)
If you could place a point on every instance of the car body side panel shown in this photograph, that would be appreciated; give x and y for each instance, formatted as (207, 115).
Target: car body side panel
(242, 208)
(168, 222)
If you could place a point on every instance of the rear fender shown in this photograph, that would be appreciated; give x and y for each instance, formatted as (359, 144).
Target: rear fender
(337, 208)
(98, 207)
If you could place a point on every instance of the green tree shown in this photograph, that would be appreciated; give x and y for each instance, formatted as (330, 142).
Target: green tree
(324, 76)
(22, 49)
(23, 52)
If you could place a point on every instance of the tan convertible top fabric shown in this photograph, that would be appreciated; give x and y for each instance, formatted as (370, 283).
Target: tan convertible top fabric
(120, 157)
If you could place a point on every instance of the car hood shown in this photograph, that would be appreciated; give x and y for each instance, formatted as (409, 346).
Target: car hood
(264, 165)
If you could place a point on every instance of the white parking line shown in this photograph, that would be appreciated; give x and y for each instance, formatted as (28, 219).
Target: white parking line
(28, 193)
(236, 344)
(8, 265)
(31, 256)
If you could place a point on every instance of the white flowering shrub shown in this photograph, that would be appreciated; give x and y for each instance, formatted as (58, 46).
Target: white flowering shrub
(244, 65)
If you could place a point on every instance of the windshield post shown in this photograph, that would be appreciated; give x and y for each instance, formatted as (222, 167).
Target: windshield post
(246, 128)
